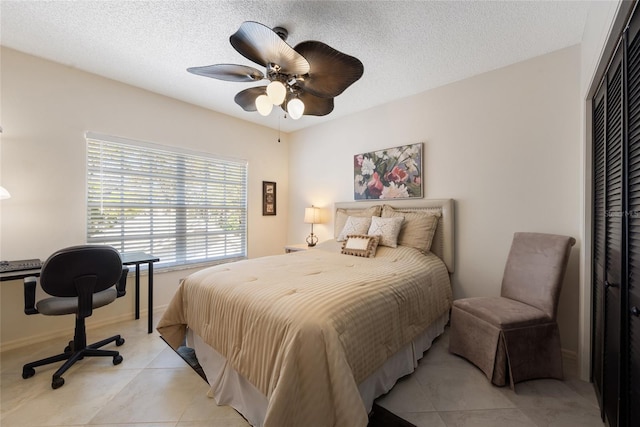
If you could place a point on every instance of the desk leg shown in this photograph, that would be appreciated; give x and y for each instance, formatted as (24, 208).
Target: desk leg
(137, 291)
(150, 297)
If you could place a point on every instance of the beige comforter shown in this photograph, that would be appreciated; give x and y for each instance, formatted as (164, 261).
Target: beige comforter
(305, 328)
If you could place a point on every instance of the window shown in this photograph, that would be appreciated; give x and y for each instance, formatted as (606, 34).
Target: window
(180, 206)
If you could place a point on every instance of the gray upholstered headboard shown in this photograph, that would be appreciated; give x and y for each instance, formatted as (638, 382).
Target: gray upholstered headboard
(443, 240)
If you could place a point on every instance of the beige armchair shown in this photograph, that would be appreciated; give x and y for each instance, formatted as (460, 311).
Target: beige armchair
(515, 337)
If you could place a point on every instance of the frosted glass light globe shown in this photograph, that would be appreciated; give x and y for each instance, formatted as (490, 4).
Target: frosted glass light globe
(295, 107)
(264, 105)
(276, 92)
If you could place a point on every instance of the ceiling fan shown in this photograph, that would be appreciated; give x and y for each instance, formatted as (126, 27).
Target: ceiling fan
(303, 80)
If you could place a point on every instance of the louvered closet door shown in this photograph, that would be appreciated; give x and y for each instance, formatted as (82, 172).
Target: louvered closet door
(630, 318)
(599, 226)
(614, 215)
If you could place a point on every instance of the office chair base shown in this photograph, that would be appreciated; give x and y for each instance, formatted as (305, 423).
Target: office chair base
(57, 382)
(72, 356)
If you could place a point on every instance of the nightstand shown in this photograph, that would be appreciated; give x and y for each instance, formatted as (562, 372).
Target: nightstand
(296, 248)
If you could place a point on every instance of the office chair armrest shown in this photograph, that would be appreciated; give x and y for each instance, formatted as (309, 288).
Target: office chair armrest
(122, 284)
(30, 295)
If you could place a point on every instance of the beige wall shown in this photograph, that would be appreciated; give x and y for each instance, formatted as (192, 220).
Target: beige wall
(505, 145)
(46, 110)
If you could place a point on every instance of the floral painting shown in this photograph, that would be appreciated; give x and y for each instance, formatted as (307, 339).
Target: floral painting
(393, 173)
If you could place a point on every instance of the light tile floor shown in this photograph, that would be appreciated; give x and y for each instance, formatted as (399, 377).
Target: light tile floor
(154, 387)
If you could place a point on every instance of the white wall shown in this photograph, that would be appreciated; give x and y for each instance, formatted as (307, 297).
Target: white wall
(46, 110)
(496, 143)
(505, 145)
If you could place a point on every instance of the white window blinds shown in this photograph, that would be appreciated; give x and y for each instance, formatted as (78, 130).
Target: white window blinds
(181, 207)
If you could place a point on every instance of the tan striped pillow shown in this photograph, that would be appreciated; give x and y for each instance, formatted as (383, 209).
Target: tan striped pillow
(418, 228)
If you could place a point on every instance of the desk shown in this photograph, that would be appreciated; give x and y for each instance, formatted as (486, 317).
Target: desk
(15, 275)
(130, 258)
(137, 258)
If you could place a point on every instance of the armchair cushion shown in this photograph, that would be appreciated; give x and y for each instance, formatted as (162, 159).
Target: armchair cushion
(503, 313)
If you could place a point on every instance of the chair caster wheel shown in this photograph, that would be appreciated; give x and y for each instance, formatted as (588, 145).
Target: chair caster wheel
(28, 372)
(119, 342)
(117, 360)
(57, 383)
(69, 347)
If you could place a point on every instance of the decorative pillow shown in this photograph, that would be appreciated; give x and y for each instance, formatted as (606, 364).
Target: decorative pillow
(342, 214)
(387, 228)
(360, 245)
(418, 227)
(355, 225)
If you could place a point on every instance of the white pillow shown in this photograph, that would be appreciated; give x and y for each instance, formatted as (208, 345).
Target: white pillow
(387, 228)
(354, 225)
(341, 216)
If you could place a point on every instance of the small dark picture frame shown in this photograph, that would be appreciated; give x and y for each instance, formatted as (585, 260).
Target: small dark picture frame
(268, 198)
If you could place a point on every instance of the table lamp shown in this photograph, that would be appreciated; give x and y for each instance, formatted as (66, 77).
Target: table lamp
(312, 216)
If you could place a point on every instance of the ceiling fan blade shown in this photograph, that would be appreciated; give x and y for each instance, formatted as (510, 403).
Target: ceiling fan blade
(313, 105)
(263, 46)
(228, 72)
(247, 98)
(331, 71)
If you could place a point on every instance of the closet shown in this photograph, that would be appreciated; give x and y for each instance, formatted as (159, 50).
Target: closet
(616, 234)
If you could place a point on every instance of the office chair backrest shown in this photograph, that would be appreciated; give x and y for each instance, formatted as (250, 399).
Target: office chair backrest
(67, 269)
(535, 270)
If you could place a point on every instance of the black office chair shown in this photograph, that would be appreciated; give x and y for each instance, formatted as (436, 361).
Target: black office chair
(79, 278)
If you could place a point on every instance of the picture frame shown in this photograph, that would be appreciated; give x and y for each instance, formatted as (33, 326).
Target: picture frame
(391, 173)
(268, 198)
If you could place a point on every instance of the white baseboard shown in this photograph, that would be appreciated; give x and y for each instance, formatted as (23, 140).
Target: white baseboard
(66, 333)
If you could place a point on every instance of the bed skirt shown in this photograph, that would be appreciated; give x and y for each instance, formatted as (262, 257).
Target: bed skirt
(230, 388)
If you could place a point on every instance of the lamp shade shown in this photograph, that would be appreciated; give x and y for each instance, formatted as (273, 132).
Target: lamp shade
(295, 108)
(312, 215)
(264, 105)
(276, 92)
(4, 194)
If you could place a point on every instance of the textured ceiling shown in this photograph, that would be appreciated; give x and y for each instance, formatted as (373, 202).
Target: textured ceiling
(406, 47)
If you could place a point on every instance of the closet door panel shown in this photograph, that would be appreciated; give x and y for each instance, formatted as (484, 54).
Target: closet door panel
(599, 227)
(614, 214)
(631, 310)
(616, 233)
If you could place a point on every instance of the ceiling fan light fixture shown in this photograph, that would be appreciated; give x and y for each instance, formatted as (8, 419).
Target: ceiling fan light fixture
(302, 80)
(295, 107)
(264, 105)
(276, 92)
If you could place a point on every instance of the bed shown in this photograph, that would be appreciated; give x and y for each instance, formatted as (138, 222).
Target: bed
(312, 338)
